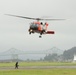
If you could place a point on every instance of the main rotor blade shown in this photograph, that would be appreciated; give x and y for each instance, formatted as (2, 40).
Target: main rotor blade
(21, 16)
(52, 19)
(33, 18)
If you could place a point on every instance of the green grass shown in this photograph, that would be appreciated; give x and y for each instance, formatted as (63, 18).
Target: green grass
(40, 72)
(52, 71)
(38, 64)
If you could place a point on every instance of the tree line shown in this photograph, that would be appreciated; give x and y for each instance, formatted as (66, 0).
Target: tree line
(68, 55)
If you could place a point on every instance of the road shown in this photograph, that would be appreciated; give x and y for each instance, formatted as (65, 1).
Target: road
(37, 67)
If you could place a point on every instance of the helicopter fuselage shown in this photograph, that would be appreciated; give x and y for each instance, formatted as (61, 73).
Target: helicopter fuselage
(39, 27)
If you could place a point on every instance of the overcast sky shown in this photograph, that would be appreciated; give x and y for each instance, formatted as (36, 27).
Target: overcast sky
(14, 31)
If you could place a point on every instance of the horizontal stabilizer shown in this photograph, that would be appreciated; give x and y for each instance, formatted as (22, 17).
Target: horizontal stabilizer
(50, 32)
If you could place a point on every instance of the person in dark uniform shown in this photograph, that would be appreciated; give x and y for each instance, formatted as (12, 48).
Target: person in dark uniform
(16, 65)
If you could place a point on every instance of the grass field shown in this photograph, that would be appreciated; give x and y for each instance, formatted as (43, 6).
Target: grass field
(40, 72)
(39, 64)
(52, 71)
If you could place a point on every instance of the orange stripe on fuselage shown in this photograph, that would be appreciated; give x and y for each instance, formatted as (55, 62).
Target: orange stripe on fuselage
(39, 28)
(37, 23)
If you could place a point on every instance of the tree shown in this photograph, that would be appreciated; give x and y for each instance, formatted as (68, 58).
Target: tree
(51, 57)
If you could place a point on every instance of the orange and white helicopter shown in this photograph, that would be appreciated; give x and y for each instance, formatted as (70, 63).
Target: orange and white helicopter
(37, 26)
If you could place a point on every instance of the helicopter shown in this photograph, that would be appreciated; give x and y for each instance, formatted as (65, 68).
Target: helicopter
(37, 26)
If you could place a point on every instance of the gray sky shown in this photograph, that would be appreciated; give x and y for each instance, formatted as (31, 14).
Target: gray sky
(14, 31)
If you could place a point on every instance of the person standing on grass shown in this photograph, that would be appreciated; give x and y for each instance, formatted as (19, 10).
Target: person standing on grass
(16, 65)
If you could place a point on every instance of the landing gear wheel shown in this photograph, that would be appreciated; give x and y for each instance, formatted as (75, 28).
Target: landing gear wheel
(40, 36)
(29, 32)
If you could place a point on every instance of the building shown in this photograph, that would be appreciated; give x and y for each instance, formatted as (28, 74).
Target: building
(74, 58)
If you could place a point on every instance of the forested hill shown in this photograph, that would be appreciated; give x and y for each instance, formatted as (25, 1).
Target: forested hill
(69, 54)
